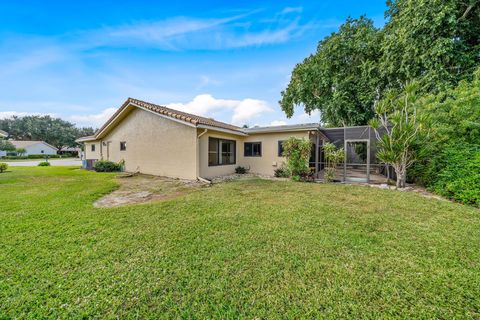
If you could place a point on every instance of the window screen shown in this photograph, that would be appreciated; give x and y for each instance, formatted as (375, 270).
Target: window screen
(280, 148)
(221, 152)
(253, 149)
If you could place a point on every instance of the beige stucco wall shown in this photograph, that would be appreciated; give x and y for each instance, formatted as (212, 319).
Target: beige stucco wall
(92, 155)
(266, 164)
(215, 171)
(155, 145)
(269, 161)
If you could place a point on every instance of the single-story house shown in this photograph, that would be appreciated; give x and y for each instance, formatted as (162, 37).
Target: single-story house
(157, 140)
(34, 147)
(71, 150)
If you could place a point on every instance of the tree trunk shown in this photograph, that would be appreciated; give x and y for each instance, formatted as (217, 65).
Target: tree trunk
(399, 180)
(401, 173)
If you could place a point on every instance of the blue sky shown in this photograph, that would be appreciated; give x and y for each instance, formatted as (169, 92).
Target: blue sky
(223, 59)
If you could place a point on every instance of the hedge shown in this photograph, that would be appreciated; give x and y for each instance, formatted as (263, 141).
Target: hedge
(455, 174)
(35, 156)
(107, 166)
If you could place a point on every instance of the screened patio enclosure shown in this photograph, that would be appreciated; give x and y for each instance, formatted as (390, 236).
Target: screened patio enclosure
(360, 163)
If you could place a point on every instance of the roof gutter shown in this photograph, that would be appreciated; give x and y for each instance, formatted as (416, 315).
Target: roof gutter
(238, 133)
(274, 130)
(201, 134)
(85, 139)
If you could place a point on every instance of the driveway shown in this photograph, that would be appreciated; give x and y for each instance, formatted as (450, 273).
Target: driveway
(53, 162)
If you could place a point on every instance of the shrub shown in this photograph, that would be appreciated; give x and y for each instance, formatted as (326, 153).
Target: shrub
(329, 174)
(281, 172)
(241, 170)
(297, 152)
(44, 164)
(68, 155)
(455, 174)
(296, 178)
(13, 156)
(3, 167)
(41, 156)
(308, 177)
(21, 151)
(333, 156)
(107, 166)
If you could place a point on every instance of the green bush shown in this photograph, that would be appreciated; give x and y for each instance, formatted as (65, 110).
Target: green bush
(333, 157)
(41, 156)
(3, 167)
(31, 156)
(455, 174)
(241, 170)
(107, 166)
(68, 155)
(281, 172)
(44, 164)
(297, 152)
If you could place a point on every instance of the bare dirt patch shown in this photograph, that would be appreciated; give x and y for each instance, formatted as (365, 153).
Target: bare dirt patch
(142, 188)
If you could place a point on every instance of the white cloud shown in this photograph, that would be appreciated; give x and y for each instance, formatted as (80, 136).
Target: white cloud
(88, 120)
(33, 59)
(249, 109)
(278, 123)
(184, 33)
(291, 9)
(241, 111)
(314, 116)
(204, 104)
(10, 114)
(280, 35)
(92, 120)
(160, 31)
(206, 81)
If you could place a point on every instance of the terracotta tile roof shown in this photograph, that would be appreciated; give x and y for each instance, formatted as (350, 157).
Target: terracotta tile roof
(187, 117)
(193, 119)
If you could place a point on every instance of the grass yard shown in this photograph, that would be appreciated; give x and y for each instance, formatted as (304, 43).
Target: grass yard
(243, 249)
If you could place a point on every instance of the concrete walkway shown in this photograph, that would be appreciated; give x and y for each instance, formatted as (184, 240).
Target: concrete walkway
(53, 162)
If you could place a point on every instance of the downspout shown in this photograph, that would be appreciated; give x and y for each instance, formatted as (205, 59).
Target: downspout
(198, 153)
(201, 134)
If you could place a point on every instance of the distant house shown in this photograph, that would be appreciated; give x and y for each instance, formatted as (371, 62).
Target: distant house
(71, 150)
(35, 147)
(3, 135)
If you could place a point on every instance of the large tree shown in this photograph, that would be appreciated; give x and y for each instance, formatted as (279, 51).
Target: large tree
(55, 131)
(342, 79)
(6, 145)
(434, 41)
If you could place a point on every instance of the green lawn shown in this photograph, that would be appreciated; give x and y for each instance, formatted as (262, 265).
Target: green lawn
(243, 249)
(37, 159)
